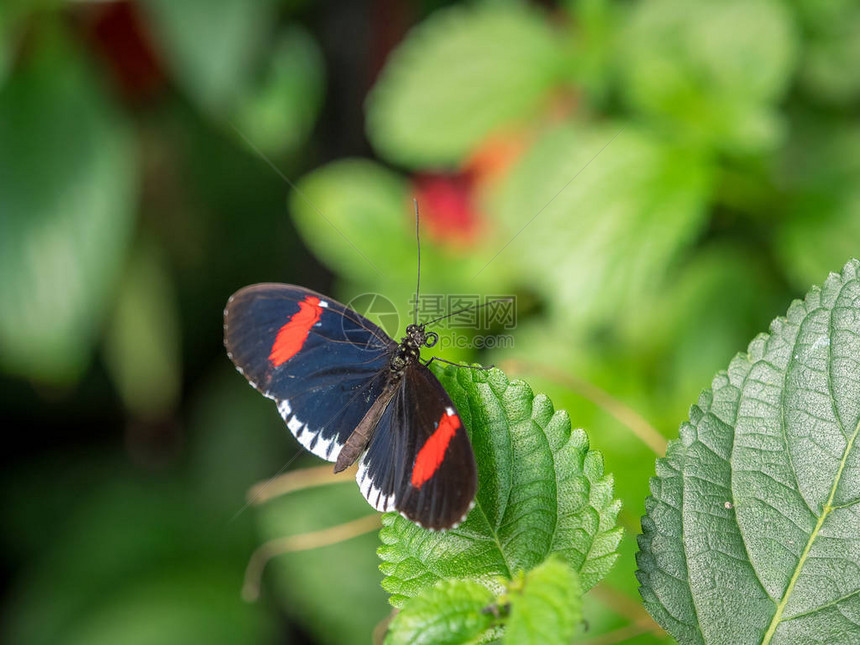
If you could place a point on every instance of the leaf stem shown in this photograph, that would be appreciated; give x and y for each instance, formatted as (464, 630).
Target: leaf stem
(296, 480)
(301, 542)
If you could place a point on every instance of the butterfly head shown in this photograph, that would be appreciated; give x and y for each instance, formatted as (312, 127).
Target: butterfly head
(409, 349)
(417, 337)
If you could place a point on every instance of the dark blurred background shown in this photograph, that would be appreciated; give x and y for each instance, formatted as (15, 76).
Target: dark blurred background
(654, 181)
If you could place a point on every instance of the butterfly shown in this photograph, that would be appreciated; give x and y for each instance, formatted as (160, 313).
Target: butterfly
(349, 393)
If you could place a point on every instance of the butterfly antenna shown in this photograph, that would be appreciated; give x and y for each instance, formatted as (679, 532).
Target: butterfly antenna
(418, 240)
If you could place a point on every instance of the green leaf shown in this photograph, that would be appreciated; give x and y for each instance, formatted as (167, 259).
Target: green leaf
(458, 76)
(353, 215)
(810, 243)
(450, 612)
(12, 15)
(67, 196)
(714, 71)
(547, 606)
(594, 47)
(142, 342)
(822, 224)
(578, 222)
(540, 491)
(212, 46)
(278, 115)
(752, 532)
(832, 50)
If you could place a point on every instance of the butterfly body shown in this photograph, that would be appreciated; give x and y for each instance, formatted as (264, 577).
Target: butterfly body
(349, 393)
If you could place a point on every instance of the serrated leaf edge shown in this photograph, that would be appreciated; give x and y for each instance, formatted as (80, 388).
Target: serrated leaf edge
(743, 362)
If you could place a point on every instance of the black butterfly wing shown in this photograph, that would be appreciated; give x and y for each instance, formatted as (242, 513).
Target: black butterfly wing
(323, 364)
(419, 460)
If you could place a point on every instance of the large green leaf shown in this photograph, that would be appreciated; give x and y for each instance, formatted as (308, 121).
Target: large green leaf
(597, 215)
(458, 76)
(541, 492)
(753, 533)
(712, 70)
(67, 197)
(278, 114)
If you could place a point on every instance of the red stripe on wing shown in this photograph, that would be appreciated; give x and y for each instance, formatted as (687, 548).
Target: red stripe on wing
(433, 451)
(292, 336)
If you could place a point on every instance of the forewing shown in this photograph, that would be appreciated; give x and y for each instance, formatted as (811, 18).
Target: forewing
(323, 364)
(419, 460)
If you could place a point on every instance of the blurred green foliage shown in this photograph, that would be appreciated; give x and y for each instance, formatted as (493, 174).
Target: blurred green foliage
(711, 72)
(463, 73)
(654, 180)
(68, 189)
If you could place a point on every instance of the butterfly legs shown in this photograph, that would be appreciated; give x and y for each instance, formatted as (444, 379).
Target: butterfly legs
(471, 367)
